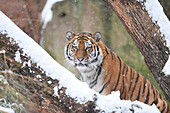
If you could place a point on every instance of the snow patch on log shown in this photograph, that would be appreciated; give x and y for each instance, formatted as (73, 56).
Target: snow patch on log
(17, 57)
(74, 88)
(155, 11)
(6, 110)
(2, 51)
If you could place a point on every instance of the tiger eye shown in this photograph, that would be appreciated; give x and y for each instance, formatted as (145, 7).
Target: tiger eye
(74, 47)
(88, 48)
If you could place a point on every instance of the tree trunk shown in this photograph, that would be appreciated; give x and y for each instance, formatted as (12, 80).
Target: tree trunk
(145, 33)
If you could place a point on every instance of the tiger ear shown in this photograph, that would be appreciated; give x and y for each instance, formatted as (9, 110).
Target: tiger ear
(97, 36)
(69, 35)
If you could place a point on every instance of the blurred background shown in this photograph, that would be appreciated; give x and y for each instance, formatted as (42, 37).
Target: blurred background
(77, 16)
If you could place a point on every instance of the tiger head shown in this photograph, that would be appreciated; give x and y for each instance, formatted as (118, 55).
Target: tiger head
(83, 49)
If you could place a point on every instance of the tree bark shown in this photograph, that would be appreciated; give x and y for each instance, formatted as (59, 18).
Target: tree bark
(145, 33)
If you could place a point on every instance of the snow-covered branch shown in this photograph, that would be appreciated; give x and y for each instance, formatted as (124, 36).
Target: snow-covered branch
(32, 72)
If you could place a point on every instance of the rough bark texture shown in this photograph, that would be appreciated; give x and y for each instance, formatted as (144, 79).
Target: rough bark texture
(145, 33)
(23, 77)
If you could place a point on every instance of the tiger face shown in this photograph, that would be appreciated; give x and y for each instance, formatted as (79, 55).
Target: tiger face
(83, 49)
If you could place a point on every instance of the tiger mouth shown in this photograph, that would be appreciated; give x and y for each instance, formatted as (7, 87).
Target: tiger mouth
(81, 64)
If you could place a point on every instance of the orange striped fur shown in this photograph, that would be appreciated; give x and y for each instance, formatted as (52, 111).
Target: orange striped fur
(104, 71)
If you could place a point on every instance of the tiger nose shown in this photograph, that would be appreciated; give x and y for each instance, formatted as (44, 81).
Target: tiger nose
(80, 59)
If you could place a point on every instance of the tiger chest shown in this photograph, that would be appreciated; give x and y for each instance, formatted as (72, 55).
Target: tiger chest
(92, 77)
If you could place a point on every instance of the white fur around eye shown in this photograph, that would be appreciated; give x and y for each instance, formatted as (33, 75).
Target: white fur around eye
(88, 45)
(75, 45)
(75, 42)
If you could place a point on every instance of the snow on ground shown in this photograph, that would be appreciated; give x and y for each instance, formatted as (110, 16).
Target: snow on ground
(2, 51)
(47, 13)
(75, 88)
(6, 110)
(157, 14)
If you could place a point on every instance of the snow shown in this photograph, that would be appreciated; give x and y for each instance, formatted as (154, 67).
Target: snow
(75, 88)
(156, 12)
(17, 57)
(3, 51)
(47, 13)
(6, 110)
(166, 68)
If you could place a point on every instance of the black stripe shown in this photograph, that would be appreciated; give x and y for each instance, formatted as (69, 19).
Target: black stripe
(111, 53)
(100, 69)
(92, 42)
(134, 85)
(126, 72)
(153, 91)
(93, 83)
(69, 58)
(139, 93)
(67, 50)
(84, 38)
(119, 74)
(158, 107)
(163, 107)
(147, 97)
(95, 60)
(123, 69)
(97, 48)
(152, 103)
(67, 53)
(104, 87)
(156, 101)
(159, 94)
(153, 94)
(106, 50)
(98, 51)
(144, 86)
(125, 95)
(131, 78)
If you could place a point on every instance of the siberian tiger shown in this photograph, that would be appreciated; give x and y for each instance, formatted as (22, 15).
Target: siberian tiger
(104, 71)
